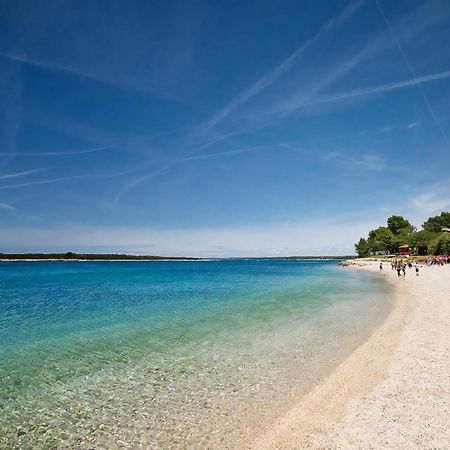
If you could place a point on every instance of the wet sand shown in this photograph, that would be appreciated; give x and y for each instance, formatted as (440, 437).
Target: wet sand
(394, 390)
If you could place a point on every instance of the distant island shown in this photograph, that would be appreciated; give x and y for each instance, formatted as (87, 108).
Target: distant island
(68, 256)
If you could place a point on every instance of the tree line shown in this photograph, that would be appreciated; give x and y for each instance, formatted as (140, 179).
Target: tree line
(90, 256)
(432, 239)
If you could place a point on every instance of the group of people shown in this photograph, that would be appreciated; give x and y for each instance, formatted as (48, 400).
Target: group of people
(438, 260)
(400, 266)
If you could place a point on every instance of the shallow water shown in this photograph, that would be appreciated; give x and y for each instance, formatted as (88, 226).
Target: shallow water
(169, 354)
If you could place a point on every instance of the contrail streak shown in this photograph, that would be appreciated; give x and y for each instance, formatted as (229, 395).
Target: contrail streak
(417, 81)
(309, 93)
(414, 75)
(20, 174)
(132, 184)
(268, 79)
(228, 152)
(75, 152)
(32, 183)
(61, 68)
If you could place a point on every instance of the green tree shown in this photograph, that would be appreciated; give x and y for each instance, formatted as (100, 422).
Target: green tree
(440, 245)
(436, 223)
(362, 247)
(421, 240)
(400, 231)
(444, 244)
(399, 225)
(381, 240)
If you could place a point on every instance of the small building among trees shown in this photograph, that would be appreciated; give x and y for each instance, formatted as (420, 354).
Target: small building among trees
(401, 237)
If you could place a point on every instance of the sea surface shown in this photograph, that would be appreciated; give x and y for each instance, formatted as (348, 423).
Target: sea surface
(170, 354)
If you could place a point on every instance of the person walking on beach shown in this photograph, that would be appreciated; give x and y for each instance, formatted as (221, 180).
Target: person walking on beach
(381, 266)
(416, 266)
(398, 269)
(404, 269)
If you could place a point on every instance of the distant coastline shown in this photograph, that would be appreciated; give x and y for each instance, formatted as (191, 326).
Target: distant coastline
(70, 256)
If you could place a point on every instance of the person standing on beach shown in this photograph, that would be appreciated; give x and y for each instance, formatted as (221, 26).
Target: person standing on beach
(398, 269)
(381, 266)
(404, 269)
(416, 266)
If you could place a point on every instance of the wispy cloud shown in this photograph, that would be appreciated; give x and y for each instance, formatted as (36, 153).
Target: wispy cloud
(229, 152)
(20, 174)
(11, 92)
(126, 84)
(165, 168)
(64, 153)
(418, 202)
(431, 202)
(411, 125)
(139, 180)
(408, 27)
(381, 88)
(6, 206)
(414, 75)
(24, 59)
(385, 130)
(366, 161)
(106, 43)
(263, 240)
(34, 183)
(154, 172)
(269, 78)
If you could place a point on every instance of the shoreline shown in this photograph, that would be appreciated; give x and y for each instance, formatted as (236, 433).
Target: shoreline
(335, 413)
(103, 260)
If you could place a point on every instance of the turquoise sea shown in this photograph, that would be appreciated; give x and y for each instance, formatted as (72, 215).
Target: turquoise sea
(170, 354)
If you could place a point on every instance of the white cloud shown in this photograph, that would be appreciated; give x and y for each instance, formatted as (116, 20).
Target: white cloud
(412, 125)
(432, 203)
(385, 130)
(333, 237)
(6, 206)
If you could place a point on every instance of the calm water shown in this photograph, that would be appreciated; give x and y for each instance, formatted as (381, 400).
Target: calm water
(169, 354)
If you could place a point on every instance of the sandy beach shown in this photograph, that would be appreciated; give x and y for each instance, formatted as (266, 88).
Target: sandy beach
(393, 392)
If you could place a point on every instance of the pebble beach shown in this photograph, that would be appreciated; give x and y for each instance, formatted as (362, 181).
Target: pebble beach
(393, 392)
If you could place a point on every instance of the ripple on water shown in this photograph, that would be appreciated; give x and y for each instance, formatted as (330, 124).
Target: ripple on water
(200, 377)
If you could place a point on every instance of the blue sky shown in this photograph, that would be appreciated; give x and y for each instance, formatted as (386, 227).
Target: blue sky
(235, 128)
